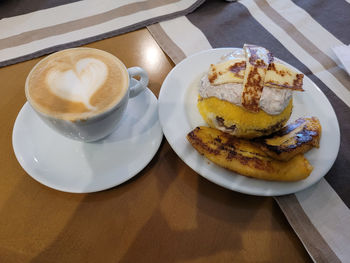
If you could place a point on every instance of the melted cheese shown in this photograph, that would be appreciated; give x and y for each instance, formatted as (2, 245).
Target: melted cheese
(230, 71)
(281, 76)
(257, 61)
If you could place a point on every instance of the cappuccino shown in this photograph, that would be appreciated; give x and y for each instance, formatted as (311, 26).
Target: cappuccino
(76, 84)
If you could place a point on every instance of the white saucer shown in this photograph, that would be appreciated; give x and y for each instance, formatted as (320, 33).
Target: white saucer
(72, 166)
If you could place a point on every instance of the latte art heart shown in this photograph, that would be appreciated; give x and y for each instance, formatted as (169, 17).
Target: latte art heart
(76, 84)
(79, 83)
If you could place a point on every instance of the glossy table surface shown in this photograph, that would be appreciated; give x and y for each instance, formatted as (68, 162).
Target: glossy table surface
(167, 213)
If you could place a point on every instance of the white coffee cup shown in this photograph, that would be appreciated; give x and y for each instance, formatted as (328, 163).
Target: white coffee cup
(98, 126)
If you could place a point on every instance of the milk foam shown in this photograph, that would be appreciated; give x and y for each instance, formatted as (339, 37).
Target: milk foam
(76, 84)
(79, 83)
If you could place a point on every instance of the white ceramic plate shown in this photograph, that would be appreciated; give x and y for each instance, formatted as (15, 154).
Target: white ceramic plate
(178, 115)
(72, 166)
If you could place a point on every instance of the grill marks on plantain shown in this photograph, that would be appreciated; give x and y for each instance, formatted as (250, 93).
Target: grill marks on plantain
(297, 137)
(246, 157)
(231, 148)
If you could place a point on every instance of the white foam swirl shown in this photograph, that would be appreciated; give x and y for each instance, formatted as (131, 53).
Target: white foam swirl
(79, 83)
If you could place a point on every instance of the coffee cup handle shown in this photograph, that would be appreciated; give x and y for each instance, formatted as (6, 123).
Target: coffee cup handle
(136, 86)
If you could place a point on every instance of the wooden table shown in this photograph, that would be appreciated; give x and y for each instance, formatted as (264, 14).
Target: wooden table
(167, 213)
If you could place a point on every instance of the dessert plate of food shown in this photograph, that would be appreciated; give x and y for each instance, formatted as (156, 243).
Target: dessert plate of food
(248, 121)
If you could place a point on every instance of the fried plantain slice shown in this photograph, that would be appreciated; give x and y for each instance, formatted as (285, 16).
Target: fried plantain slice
(245, 158)
(295, 138)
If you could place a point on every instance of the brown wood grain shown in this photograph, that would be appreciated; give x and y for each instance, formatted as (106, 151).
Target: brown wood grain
(167, 213)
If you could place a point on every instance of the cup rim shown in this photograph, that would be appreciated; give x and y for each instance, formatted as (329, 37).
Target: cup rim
(89, 118)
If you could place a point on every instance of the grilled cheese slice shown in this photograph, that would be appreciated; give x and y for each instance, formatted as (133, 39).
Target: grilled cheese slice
(281, 76)
(277, 75)
(257, 61)
(231, 71)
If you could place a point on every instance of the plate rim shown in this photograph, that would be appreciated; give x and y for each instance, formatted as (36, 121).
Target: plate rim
(205, 175)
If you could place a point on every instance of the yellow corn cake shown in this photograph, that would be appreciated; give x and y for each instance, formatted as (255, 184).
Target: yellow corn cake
(239, 122)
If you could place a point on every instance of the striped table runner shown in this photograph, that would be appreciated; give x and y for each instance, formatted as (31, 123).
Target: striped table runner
(30, 29)
(301, 33)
